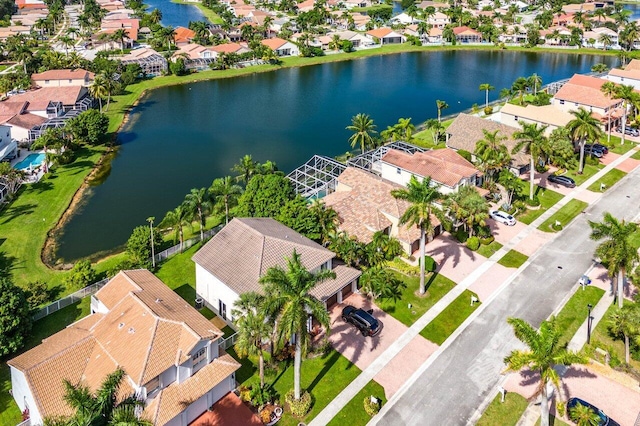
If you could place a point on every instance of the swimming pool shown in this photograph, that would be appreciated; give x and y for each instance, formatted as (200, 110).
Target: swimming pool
(33, 160)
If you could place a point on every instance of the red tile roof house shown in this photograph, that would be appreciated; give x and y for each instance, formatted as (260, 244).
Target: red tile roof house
(58, 78)
(630, 75)
(385, 36)
(365, 206)
(183, 36)
(281, 47)
(233, 261)
(167, 349)
(467, 35)
(446, 168)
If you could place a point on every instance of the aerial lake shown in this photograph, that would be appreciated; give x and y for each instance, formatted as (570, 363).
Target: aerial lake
(176, 14)
(183, 137)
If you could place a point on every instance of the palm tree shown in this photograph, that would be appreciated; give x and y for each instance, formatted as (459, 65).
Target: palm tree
(224, 192)
(535, 81)
(617, 250)
(155, 16)
(422, 196)
(469, 207)
(584, 416)
(543, 354)
(363, 129)
(98, 90)
(625, 322)
(532, 139)
(253, 328)
(177, 219)
(609, 90)
(198, 202)
(440, 105)
(246, 169)
(582, 128)
(327, 219)
(405, 128)
(67, 42)
(290, 303)
(486, 87)
(628, 95)
(492, 153)
(119, 35)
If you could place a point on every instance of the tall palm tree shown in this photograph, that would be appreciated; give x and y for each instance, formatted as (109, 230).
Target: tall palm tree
(422, 197)
(253, 328)
(363, 130)
(440, 105)
(198, 202)
(290, 303)
(99, 90)
(532, 139)
(534, 81)
(224, 192)
(486, 87)
(582, 128)
(67, 42)
(177, 219)
(609, 90)
(625, 321)
(617, 250)
(245, 168)
(155, 16)
(469, 207)
(628, 96)
(119, 35)
(544, 352)
(492, 153)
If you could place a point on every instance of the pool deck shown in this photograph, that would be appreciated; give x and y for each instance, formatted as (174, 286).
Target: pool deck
(37, 173)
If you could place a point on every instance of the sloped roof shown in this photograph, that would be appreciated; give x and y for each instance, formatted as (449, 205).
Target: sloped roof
(546, 114)
(274, 43)
(466, 130)
(445, 166)
(39, 98)
(630, 73)
(246, 248)
(183, 34)
(585, 90)
(63, 75)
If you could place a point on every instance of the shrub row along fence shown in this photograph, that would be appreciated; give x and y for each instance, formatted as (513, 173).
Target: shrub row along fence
(92, 289)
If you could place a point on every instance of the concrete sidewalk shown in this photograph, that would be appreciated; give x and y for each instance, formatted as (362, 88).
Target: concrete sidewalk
(347, 394)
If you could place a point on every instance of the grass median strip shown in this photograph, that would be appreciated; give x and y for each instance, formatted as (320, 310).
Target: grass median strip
(609, 179)
(505, 413)
(353, 413)
(589, 170)
(513, 259)
(575, 311)
(450, 318)
(489, 249)
(563, 216)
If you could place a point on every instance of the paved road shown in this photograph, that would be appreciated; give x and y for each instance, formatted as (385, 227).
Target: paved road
(462, 377)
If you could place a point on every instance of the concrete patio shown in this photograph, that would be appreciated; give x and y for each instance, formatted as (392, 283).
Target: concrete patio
(455, 261)
(229, 411)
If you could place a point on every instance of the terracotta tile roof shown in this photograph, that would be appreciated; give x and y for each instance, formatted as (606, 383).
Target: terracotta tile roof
(274, 43)
(547, 114)
(466, 130)
(633, 73)
(229, 47)
(634, 64)
(465, 31)
(246, 248)
(585, 90)
(63, 75)
(344, 275)
(39, 98)
(380, 32)
(26, 121)
(445, 166)
(172, 400)
(183, 35)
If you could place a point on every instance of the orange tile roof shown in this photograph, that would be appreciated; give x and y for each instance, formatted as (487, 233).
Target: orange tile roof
(183, 35)
(445, 166)
(274, 43)
(39, 98)
(585, 90)
(380, 32)
(63, 75)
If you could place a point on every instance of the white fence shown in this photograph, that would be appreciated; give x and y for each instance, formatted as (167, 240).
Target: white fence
(93, 288)
(228, 342)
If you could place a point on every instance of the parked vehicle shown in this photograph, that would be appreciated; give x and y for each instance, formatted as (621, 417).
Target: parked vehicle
(362, 320)
(502, 217)
(628, 131)
(592, 151)
(601, 149)
(604, 419)
(562, 180)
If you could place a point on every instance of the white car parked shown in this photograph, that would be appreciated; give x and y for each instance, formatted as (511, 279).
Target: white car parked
(502, 217)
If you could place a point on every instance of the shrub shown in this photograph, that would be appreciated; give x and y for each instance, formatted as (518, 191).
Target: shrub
(245, 393)
(561, 408)
(265, 414)
(484, 232)
(541, 168)
(485, 241)
(287, 352)
(323, 347)
(461, 235)
(37, 294)
(260, 397)
(81, 275)
(534, 203)
(298, 407)
(519, 205)
(488, 110)
(429, 264)
(473, 243)
(465, 154)
(371, 408)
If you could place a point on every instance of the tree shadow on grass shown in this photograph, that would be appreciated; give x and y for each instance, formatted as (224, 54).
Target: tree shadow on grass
(331, 359)
(14, 212)
(6, 262)
(41, 186)
(187, 292)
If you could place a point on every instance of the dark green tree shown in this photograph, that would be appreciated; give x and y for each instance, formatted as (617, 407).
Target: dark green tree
(139, 246)
(81, 275)
(89, 127)
(265, 196)
(15, 317)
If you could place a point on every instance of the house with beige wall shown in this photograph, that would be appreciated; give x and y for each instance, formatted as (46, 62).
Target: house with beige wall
(63, 78)
(547, 115)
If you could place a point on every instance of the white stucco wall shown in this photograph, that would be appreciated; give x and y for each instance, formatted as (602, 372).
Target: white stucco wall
(213, 290)
(390, 172)
(199, 406)
(624, 80)
(23, 396)
(19, 133)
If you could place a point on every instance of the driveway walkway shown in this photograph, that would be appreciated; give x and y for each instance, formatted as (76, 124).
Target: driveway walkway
(455, 261)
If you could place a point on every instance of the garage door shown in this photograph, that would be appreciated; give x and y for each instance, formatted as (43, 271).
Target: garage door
(332, 300)
(197, 408)
(346, 291)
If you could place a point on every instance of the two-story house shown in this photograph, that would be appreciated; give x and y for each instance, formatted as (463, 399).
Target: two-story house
(233, 261)
(59, 78)
(168, 351)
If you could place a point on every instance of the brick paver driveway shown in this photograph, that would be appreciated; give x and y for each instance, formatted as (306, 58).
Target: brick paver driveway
(362, 350)
(504, 233)
(455, 260)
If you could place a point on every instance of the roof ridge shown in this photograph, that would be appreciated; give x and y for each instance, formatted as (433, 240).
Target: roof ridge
(145, 364)
(68, 348)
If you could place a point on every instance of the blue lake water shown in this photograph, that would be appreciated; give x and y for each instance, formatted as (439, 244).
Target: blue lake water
(635, 11)
(183, 137)
(175, 14)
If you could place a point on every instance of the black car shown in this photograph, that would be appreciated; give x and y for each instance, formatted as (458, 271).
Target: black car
(604, 419)
(601, 147)
(593, 151)
(562, 180)
(596, 147)
(362, 320)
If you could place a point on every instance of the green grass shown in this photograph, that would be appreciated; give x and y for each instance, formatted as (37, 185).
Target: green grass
(324, 377)
(450, 318)
(424, 138)
(489, 249)
(437, 286)
(547, 199)
(353, 413)
(609, 179)
(575, 311)
(616, 146)
(513, 259)
(553, 421)
(208, 13)
(505, 413)
(589, 170)
(565, 215)
(636, 156)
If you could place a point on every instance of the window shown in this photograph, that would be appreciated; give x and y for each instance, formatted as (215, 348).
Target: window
(398, 170)
(153, 385)
(46, 82)
(561, 102)
(515, 117)
(199, 357)
(70, 81)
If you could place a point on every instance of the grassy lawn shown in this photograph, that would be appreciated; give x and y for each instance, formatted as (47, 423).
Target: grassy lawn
(424, 138)
(324, 377)
(636, 156)
(448, 320)
(505, 413)
(437, 286)
(575, 312)
(616, 146)
(353, 413)
(565, 215)
(488, 250)
(589, 170)
(609, 179)
(208, 13)
(547, 199)
(513, 259)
